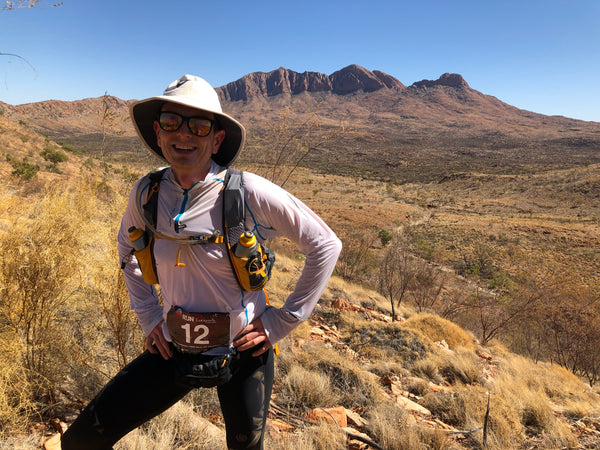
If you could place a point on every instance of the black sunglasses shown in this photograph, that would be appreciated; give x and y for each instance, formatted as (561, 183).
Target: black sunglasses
(170, 121)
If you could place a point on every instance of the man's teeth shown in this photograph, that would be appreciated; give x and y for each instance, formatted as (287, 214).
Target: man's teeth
(186, 148)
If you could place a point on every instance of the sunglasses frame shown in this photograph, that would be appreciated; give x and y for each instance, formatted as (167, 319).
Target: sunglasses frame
(187, 122)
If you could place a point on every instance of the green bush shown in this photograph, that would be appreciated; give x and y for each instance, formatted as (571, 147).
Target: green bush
(24, 170)
(385, 237)
(54, 156)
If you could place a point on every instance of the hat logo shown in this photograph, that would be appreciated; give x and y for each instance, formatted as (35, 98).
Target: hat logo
(180, 82)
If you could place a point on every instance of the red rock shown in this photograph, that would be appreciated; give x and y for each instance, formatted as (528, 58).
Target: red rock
(336, 415)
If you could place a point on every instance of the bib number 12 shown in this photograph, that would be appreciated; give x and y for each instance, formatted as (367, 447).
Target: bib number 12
(199, 333)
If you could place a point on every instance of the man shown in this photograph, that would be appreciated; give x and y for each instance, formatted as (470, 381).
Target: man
(186, 127)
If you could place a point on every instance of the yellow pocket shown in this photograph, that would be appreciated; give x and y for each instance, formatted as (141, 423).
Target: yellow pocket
(254, 272)
(144, 258)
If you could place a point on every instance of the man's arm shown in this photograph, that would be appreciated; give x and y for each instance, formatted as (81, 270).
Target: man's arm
(277, 212)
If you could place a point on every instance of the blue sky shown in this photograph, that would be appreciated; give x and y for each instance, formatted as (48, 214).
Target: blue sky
(543, 56)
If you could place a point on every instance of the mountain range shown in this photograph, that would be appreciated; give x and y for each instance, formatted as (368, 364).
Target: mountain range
(378, 127)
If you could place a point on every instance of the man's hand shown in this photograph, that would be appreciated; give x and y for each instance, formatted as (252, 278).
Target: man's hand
(251, 336)
(156, 342)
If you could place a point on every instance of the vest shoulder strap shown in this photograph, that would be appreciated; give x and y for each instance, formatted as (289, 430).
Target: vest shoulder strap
(151, 205)
(234, 212)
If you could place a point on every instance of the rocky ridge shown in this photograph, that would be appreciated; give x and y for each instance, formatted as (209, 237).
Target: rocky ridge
(350, 79)
(283, 81)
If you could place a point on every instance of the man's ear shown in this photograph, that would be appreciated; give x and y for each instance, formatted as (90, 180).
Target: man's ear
(219, 137)
(156, 128)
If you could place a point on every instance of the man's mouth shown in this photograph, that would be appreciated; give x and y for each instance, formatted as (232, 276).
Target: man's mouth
(184, 148)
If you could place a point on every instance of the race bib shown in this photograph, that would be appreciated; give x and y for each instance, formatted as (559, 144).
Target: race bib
(197, 332)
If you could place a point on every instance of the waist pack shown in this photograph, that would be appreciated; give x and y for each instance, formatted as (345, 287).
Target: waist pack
(205, 371)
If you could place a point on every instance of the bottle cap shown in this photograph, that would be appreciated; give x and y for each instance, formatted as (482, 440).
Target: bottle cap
(135, 233)
(247, 239)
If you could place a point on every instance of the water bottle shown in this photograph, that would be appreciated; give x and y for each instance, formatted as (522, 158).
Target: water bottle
(246, 245)
(138, 238)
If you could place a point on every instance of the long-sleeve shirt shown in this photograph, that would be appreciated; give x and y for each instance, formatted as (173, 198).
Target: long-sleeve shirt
(206, 283)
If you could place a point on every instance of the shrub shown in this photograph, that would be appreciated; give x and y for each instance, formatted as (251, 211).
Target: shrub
(353, 387)
(16, 399)
(385, 237)
(69, 148)
(390, 341)
(465, 409)
(54, 156)
(303, 388)
(37, 277)
(24, 169)
(394, 429)
(438, 329)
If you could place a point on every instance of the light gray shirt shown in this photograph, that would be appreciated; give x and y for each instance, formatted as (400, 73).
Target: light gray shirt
(206, 282)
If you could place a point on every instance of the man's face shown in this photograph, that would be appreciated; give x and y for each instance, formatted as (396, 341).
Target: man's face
(183, 149)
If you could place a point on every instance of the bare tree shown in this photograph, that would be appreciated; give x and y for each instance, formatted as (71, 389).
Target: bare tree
(289, 142)
(429, 282)
(108, 120)
(352, 263)
(396, 272)
(571, 331)
(23, 4)
(491, 314)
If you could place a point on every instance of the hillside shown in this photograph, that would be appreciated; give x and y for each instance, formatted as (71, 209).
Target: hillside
(419, 132)
(417, 382)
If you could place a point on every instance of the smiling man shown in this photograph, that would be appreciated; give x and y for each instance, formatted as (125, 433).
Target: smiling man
(210, 329)
(188, 152)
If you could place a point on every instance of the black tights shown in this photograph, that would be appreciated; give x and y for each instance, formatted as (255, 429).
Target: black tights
(150, 385)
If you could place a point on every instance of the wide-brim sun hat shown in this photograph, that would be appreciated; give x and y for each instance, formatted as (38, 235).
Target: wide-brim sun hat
(195, 92)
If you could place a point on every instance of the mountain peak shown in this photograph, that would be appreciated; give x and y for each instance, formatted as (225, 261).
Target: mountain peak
(284, 81)
(448, 79)
(356, 78)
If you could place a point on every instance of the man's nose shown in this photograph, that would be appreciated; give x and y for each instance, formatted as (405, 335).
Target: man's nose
(184, 130)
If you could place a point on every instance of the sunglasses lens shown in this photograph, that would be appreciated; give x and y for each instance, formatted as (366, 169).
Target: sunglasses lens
(199, 126)
(169, 121)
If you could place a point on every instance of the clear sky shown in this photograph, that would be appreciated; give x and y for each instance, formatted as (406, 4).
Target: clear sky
(539, 55)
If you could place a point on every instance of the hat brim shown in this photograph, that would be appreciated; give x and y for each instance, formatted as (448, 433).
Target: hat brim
(145, 112)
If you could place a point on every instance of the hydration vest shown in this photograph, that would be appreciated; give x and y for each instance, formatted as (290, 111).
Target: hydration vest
(252, 271)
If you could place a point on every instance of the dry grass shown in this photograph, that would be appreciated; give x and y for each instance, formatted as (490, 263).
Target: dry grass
(395, 429)
(349, 385)
(438, 329)
(464, 408)
(303, 388)
(178, 428)
(320, 437)
(538, 391)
